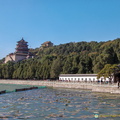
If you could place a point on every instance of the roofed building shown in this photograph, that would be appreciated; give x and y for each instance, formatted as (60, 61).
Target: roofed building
(47, 44)
(81, 77)
(21, 53)
(21, 47)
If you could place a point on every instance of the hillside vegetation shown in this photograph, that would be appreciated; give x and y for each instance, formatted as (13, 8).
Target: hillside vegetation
(70, 58)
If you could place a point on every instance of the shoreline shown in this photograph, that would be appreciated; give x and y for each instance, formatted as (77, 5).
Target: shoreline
(74, 85)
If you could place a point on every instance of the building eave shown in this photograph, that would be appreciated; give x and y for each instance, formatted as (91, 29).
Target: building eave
(76, 75)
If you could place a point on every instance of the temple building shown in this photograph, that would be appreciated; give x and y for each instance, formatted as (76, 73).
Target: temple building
(22, 47)
(21, 53)
(47, 44)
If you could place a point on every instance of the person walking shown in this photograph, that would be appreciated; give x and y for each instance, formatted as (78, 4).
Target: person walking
(118, 84)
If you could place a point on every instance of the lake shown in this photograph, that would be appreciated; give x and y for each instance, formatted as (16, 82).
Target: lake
(59, 104)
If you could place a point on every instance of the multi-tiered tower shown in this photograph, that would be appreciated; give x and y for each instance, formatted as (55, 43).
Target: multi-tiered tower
(22, 47)
(21, 53)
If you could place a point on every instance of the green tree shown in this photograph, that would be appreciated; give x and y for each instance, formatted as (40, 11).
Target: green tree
(7, 70)
(67, 67)
(56, 68)
(108, 71)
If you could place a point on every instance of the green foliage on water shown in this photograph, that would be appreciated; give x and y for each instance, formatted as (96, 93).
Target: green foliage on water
(70, 58)
(12, 87)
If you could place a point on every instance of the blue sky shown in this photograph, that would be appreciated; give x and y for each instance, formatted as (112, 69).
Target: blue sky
(58, 21)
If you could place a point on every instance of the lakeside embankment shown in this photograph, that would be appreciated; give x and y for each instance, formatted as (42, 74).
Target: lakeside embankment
(75, 85)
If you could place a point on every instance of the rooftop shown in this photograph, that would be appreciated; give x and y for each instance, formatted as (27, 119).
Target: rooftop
(77, 75)
(22, 40)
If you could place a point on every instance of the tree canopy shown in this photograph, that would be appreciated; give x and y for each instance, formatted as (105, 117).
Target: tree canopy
(109, 71)
(71, 58)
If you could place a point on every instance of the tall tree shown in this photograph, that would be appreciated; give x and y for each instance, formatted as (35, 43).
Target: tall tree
(109, 71)
(56, 68)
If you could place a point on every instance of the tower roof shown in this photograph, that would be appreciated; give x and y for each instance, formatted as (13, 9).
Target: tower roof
(22, 40)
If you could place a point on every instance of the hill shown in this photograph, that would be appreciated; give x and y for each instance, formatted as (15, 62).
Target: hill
(70, 58)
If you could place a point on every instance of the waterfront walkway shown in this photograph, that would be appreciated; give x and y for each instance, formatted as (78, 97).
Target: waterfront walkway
(97, 87)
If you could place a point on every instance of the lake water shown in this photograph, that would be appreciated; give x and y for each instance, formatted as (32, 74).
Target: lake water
(59, 104)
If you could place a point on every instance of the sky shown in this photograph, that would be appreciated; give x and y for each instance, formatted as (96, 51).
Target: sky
(58, 21)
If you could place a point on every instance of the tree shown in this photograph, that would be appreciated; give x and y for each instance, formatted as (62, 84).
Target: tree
(108, 71)
(56, 68)
(7, 70)
(85, 65)
(67, 67)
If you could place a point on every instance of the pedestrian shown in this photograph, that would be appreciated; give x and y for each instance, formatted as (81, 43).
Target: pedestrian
(118, 84)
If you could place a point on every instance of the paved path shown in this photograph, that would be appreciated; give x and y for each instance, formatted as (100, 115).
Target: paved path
(77, 85)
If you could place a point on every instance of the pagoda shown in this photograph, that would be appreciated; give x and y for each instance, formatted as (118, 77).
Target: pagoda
(21, 52)
(21, 47)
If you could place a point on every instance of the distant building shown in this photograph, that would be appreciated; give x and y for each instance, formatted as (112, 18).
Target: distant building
(21, 47)
(47, 44)
(81, 78)
(21, 53)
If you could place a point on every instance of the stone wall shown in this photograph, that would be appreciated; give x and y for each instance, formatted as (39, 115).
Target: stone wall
(15, 57)
(75, 85)
(10, 58)
(20, 57)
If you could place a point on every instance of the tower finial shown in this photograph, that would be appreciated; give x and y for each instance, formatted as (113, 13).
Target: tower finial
(22, 38)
